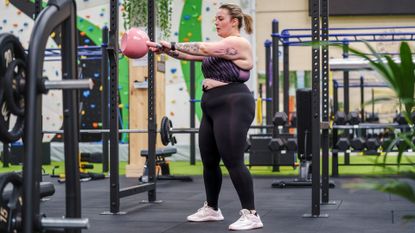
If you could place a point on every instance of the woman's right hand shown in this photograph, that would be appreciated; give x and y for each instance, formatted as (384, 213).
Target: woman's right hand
(156, 47)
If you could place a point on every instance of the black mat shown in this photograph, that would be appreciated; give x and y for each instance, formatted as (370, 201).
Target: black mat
(281, 210)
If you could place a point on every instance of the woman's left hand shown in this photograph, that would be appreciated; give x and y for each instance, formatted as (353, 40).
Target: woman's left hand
(165, 44)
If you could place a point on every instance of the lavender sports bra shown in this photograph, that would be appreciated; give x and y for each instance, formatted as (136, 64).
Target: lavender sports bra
(223, 70)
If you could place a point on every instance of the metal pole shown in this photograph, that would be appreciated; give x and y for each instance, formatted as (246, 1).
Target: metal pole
(38, 8)
(114, 127)
(192, 113)
(315, 108)
(325, 102)
(335, 155)
(152, 125)
(268, 83)
(346, 94)
(71, 118)
(104, 98)
(6, 154)
(286, 61)
(362, 99)
(275, 67)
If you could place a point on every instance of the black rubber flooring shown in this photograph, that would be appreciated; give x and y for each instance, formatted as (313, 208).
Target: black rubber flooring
(281, 210)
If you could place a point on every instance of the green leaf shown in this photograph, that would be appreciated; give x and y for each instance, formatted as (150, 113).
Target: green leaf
(378, 65)
(398, 188)
(408, 218)
(408, 76)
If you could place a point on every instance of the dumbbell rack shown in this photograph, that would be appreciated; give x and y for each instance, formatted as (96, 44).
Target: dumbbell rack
(373, 151)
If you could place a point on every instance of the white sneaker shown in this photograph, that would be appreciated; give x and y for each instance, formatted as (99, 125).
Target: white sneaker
(205, 214)
(247, 221)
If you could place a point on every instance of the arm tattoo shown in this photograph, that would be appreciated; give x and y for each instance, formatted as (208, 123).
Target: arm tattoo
(227, 51)
(174, 54)
(191, 48)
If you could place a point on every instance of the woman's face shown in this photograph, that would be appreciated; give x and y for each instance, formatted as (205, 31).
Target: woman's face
(224, 23)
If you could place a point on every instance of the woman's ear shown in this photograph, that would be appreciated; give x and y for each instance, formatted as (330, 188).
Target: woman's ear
(234, 22)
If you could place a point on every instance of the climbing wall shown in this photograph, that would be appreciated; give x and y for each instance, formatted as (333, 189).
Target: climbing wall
(16, 18)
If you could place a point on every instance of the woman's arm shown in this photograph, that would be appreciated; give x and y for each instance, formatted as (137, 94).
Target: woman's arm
(158, 48)
(231, 48)
(183, 56)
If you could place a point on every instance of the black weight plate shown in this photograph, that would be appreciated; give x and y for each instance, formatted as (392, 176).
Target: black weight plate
(16, 73)
(11, 189)
(165, 130)
(172, 139)
(10, 49)
(9, 134)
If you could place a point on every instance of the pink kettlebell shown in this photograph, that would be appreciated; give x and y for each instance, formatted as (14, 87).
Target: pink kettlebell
(133, 43)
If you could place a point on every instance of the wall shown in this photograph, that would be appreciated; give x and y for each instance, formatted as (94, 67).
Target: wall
(295, 15)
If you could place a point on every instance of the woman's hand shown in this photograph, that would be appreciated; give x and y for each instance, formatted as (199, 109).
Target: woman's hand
(156, 47)
(165, 44)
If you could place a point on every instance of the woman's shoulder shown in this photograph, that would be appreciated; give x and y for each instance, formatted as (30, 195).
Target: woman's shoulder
(236, 39)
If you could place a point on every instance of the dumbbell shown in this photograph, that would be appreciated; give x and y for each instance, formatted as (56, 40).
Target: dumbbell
(343, 144)
(386, 142)
(358, 143)
(276, 144)
(372, 117)
(353, 118)
(279, 144)
(280, 119)
(291, 144)
(400, 119)
(340, 118)
(372, 144)
(293, 120)
(402, 145)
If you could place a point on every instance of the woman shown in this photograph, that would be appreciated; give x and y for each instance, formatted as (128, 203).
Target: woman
(228, 111)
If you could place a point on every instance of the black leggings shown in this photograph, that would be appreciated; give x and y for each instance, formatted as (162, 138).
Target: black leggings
(228, 112)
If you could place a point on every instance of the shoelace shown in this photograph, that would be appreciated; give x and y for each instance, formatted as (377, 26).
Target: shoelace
(243, 217)
(204, 208)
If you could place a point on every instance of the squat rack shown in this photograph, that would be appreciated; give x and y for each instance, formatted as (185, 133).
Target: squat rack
(302, 37)
(112, 52)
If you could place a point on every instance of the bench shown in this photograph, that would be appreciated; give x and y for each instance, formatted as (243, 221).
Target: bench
(162, 165)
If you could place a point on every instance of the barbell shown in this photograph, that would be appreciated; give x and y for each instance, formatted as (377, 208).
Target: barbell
(166, 131)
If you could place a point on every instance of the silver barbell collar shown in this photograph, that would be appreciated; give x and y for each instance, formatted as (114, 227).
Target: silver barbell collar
(68, 84)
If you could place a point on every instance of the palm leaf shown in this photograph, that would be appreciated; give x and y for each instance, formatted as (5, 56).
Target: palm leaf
(378, 65)
(408, 77)
(398, 188)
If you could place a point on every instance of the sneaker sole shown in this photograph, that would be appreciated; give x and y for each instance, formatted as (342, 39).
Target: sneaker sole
(256, 226)
(206, 220)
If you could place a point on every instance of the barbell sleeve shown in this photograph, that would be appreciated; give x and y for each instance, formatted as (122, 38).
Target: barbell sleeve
(184, 130)
(65, 223)
(68, 84)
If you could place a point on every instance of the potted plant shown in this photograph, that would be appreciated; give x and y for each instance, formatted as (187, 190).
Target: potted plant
(400, 75)
(135, 15)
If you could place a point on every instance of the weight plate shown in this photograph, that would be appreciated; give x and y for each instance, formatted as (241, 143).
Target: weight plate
(11, 189)
(12, 82)
(11, 126)
(165, 130)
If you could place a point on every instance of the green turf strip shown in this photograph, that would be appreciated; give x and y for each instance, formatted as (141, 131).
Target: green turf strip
(184, 168)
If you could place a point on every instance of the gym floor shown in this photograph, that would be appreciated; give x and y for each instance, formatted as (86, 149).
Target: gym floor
(281, 210)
